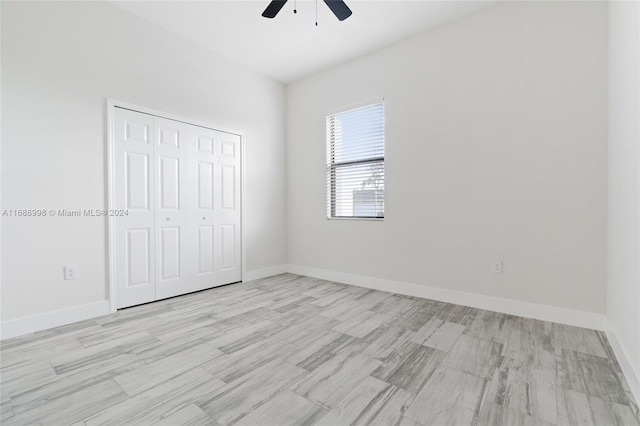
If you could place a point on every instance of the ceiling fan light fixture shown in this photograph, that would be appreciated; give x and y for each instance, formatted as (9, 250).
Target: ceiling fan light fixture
(338, 7)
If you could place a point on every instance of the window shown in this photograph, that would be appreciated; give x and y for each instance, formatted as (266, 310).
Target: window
(355, 163)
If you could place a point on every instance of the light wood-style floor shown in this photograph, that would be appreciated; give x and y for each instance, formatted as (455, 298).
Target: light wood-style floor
(292, 350)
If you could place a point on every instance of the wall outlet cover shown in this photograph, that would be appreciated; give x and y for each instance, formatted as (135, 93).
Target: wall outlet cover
(71, 272)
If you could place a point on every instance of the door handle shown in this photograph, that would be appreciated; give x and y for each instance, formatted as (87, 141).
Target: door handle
(204, 218)
(169, 218)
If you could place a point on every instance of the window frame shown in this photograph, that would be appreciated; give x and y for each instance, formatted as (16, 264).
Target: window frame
(331, 165)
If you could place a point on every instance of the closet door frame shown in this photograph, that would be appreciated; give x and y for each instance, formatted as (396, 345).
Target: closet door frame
(111, 104)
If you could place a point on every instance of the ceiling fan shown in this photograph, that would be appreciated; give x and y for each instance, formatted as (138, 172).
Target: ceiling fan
(338, 7)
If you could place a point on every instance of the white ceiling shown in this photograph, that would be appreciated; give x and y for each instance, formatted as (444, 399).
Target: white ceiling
(290, 46)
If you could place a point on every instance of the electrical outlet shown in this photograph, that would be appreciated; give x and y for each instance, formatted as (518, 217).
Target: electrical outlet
(71, 272)
(496, 266)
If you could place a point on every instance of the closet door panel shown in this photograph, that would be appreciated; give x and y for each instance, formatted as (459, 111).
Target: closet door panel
(173, 240)
(205, 185)
(170, 181)
(228, 203)
(133, 167)
(206, 251)
(228, 249)
(228, 187)
(170, 253)
(136, 186)
(205, 214)
(137, 249)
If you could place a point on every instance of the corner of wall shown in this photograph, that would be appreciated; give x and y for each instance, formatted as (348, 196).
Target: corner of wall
(257, 274)
(624, 359)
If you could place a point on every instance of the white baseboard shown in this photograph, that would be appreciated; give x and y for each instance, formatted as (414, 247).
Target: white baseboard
(590, 320)
(264, 273)
(25, 325)
(630, 373)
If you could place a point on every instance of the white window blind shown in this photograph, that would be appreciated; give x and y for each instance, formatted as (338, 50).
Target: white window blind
(355, 163)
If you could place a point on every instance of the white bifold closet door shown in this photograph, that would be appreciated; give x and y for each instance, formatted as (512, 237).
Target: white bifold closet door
(180, 185)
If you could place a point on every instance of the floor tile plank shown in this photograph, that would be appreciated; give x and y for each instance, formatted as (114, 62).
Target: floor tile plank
(475, 356)
(410, 366)
(372, 402)
(238, 398)
(285, 409)
(157, 402)
(449, 397)
(334, 379)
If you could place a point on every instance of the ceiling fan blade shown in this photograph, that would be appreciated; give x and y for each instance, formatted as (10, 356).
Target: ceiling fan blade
(339, 8)
(274, 7)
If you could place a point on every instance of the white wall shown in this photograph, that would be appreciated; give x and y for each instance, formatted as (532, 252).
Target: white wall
(60, 60)
(496, 149)
(623, 284)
